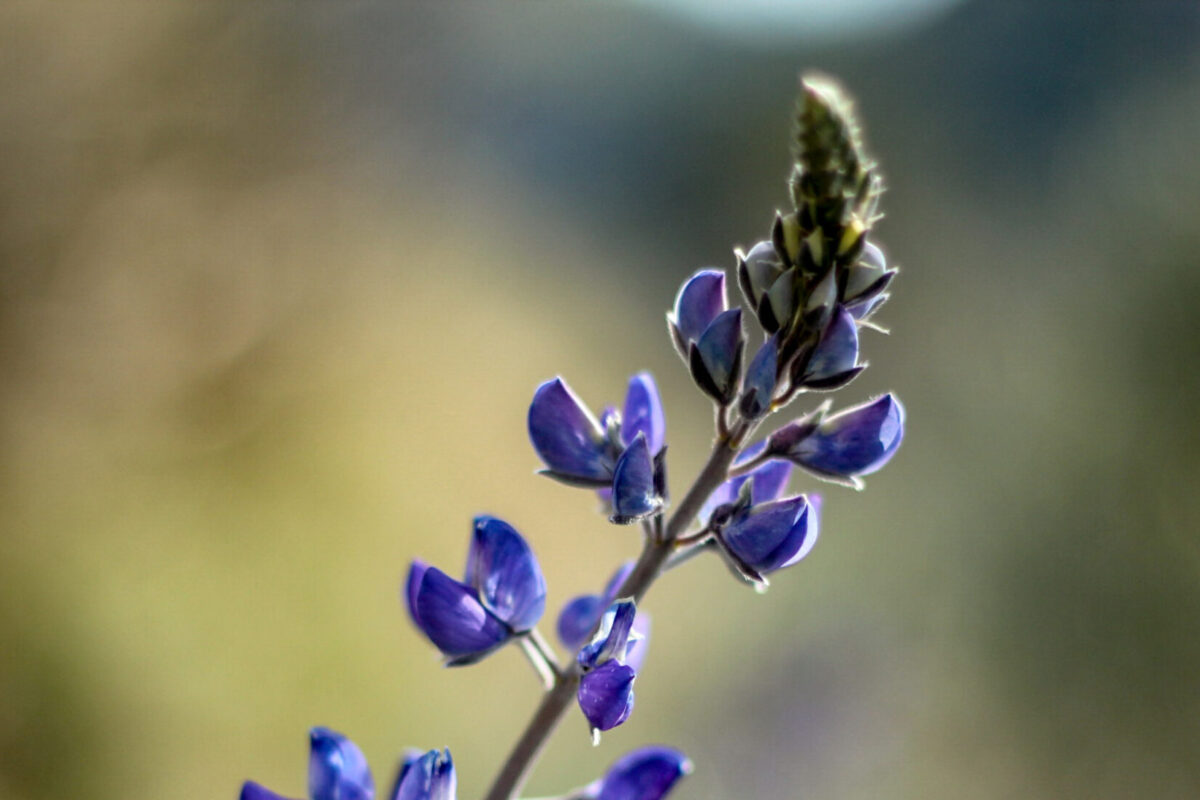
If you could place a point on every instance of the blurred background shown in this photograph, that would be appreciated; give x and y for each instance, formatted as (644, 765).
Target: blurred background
(277, 282)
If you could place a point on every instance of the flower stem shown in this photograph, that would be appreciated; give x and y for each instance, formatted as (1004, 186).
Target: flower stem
(650, 564)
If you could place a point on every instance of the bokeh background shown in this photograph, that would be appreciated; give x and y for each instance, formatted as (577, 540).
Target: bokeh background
(277, 281)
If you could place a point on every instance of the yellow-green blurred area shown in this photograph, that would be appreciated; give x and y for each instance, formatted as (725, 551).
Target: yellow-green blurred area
(277, 281)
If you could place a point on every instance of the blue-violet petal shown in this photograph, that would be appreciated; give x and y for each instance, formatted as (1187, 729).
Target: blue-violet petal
(452, 617)
(502, 568)
(606, 695)
(564, 433)
(337, 769)
(700, 300)
(647, 773)
(643, 413)
(857, 441)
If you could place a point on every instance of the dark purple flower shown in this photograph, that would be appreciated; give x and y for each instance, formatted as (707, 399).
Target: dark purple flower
(772, 535)
(579, 450)
(503, 595)
(337, 770)
(850, 444)
(648, 773)
(707, 335)
(606, 688)
(428, 776)
(834, 362)
(606, 695)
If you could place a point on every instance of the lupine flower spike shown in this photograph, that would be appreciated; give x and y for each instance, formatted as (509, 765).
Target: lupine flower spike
(809, 287)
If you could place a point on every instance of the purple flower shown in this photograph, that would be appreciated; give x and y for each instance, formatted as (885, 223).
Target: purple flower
(606, 695)
(503, 595)
(428, 776)
(847, 445)
(834, 361)
(581, 614)
(772, 535)
(708, 337)
(606, 689)
(648, 773)
(337, 770)
(622, 456)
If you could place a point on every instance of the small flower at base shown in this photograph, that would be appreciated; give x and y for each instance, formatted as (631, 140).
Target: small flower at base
(337, 769)
(648, 773)
(426, 777)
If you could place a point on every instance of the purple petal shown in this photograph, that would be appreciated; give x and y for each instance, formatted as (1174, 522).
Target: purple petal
(612, 637)
(720, 345)
(415, 573)
(643, 413)
(577, 619)
(634, 492)
(725, 493)
(337, 769)
(452, 617)
(565, 435)
(503, 569)
(811, 521)
(769, 481)
(411, 756)
(837, 352)
(606, 695)
(647, 773)
(430, 777)
(857, 441)
(760, 379)
(254, 791)
(700, 300)
(756, 537)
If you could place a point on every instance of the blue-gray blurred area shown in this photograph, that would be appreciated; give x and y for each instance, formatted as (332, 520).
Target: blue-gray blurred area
(277, 281)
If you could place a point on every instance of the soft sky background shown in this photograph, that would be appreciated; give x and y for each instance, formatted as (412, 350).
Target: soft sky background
(277, 282)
